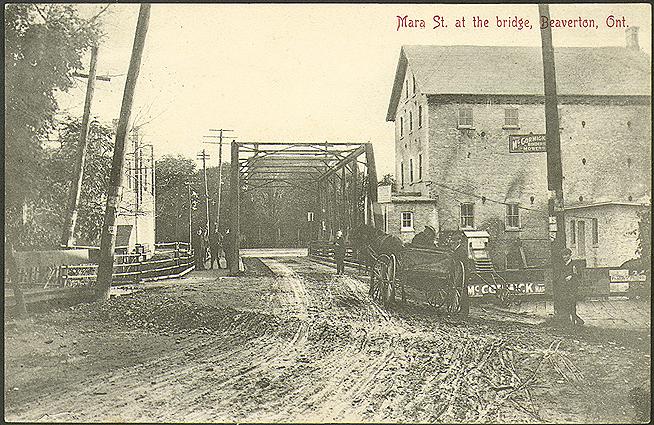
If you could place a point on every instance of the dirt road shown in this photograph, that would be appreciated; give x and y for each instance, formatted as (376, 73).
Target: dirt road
(292, 342)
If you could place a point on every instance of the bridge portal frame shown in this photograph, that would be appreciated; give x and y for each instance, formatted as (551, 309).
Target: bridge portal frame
(311, 166)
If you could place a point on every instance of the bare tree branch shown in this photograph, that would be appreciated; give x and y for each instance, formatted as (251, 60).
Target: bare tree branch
(104, 9)
(41, 13)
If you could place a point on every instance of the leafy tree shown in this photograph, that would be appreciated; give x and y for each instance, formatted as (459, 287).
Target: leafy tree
(274, 216)
(46, 207)
(389, 179)
(44, 44)
(172, 205)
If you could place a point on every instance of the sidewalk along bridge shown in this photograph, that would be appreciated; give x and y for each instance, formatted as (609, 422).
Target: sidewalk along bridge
(342, 175)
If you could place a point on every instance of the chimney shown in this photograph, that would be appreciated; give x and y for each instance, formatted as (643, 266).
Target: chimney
(632, 38)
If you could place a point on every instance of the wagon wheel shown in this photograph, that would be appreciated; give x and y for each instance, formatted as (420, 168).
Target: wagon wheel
(461, 280)
(457, 300)
(453, 301)
(398, 283)
(389, 281)
(376, 280)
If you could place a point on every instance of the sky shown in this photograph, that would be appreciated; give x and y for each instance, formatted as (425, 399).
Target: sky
(317, 72)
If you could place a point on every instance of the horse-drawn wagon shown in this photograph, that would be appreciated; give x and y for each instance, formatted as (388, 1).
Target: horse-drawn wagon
(397, 270)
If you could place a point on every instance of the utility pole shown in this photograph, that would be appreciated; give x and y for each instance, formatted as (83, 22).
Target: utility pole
(108, 238)
(68, 235)
(235, 183)
(554, 166)
(204, 156)
(220, 168)
(190, 214)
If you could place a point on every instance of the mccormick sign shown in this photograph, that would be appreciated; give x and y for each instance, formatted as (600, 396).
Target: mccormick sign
(481, 289)
(527, 143)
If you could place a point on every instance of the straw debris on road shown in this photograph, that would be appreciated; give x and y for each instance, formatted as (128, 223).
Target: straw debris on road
(305, 345)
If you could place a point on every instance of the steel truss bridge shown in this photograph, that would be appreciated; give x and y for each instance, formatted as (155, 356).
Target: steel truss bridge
(342, 175)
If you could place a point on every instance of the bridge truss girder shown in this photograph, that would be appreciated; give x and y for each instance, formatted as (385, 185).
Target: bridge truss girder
(314, 167)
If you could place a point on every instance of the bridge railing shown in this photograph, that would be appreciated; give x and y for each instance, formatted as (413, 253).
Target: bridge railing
(172, 260)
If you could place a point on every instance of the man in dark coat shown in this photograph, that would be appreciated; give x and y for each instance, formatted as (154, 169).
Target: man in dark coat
(216, 246)
(199, 248)
(339, 252)
(425, 239)
(570, 285)
(228, 243)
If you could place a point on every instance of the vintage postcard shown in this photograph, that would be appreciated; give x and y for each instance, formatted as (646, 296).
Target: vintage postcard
(327, 213)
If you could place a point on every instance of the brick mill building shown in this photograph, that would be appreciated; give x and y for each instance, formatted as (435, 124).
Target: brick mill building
(454, 108)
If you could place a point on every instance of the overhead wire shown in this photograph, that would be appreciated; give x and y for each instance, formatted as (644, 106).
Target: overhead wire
(485, 198)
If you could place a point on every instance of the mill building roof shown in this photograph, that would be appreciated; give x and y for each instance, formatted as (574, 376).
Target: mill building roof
(518, 70)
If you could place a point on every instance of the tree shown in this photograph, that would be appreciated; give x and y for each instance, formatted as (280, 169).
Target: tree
(47, 202)
(389, 179)
(172, 173)
(44, 44)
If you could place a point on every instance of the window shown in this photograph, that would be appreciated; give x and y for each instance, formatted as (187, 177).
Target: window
(595, 225)
(573, 232)
(411, 170)
(581, 238)
(420, 116)
(467, 215)
(414, 84)
(406, 86)
(401, 126)
(406, 221)
(310, 216)
(410, 121)
(465, 118)
(511, 117)
(512, 216)
(420, 167)
(402, 174)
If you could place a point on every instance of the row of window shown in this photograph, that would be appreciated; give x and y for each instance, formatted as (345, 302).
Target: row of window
(577, 227)
(411, 170)
(465, 120)
(411, 121)
(512, 217)
(468, 217)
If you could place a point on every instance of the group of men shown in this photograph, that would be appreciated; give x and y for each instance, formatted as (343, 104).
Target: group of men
(217, 244)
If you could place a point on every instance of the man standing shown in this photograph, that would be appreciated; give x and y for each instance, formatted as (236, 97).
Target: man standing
(199, 248)
(339, 252)
(571, 285)
(228, 243)
(216, 246)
